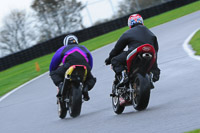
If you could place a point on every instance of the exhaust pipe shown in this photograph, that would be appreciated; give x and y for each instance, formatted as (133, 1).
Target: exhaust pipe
(147, 56)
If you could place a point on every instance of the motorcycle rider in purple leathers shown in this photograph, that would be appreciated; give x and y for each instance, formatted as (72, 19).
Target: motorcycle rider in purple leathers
(71, 54)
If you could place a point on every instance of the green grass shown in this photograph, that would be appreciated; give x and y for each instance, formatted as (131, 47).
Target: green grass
(195, 43)
(195, 131)
(17, 75)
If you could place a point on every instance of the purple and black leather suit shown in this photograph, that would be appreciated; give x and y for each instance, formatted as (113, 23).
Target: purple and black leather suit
(71, 55)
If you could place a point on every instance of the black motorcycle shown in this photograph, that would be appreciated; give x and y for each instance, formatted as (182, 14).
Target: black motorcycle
(135, 84)
(71, 99)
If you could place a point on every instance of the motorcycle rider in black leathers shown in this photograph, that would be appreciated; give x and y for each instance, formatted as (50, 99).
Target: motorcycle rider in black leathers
(71, 54)
(136, 36)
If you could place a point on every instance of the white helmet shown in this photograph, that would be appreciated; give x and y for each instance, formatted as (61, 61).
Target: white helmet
(70, 39)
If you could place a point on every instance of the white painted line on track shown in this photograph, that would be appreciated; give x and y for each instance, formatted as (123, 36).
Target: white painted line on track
(9, 93)
(188, 48)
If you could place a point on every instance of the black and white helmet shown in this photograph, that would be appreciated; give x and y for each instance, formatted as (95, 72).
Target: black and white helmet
(70, 39)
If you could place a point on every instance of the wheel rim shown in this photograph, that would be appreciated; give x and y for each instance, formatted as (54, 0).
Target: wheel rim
(70, 104)
(136, 87)
(115, 98)
(59, 108)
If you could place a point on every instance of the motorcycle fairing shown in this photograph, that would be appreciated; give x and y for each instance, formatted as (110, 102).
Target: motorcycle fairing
(82, 72)
(145, 48)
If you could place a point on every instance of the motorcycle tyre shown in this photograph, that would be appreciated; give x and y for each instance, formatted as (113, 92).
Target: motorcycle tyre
(62, 110)
(117, 108)
(144, 93)
(75, 101)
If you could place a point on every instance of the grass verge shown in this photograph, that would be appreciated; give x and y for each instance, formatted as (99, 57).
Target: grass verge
(195, 43)
(17, 75)
(194, 131)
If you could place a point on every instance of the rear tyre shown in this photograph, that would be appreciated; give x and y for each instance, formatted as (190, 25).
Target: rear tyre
(141, 92)
(118, 109)
(75, 101)
(62, 110)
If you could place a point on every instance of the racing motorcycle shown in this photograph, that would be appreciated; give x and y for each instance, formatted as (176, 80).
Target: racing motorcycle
(134, 85)
(71, 99)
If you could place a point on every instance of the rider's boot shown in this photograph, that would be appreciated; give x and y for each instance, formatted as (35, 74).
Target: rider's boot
(85, 93)
(123, 78)
(117, 82)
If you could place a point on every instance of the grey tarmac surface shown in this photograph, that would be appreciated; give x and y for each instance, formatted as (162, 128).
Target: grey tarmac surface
(173, 108)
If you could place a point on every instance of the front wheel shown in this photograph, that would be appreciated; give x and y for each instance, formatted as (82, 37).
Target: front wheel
(75, 102)
(62, 110)
(141, 93)
(118, 109)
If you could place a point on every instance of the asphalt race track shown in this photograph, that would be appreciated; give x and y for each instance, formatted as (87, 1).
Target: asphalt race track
(174, 104)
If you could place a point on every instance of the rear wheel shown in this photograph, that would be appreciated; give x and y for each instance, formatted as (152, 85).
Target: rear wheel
(118, 109)
(141, 93)
(75, 101)
(62, 110)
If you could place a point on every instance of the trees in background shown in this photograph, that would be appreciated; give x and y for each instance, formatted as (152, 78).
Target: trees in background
(126, 7)
(57, 17)
(50, 18)
(131, 6)
(16, 34)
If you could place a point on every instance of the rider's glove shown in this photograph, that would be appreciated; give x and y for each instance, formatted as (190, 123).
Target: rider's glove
(156, 75)
(108, 61)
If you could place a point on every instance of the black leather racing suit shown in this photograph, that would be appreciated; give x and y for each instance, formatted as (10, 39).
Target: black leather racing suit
(134, 37)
